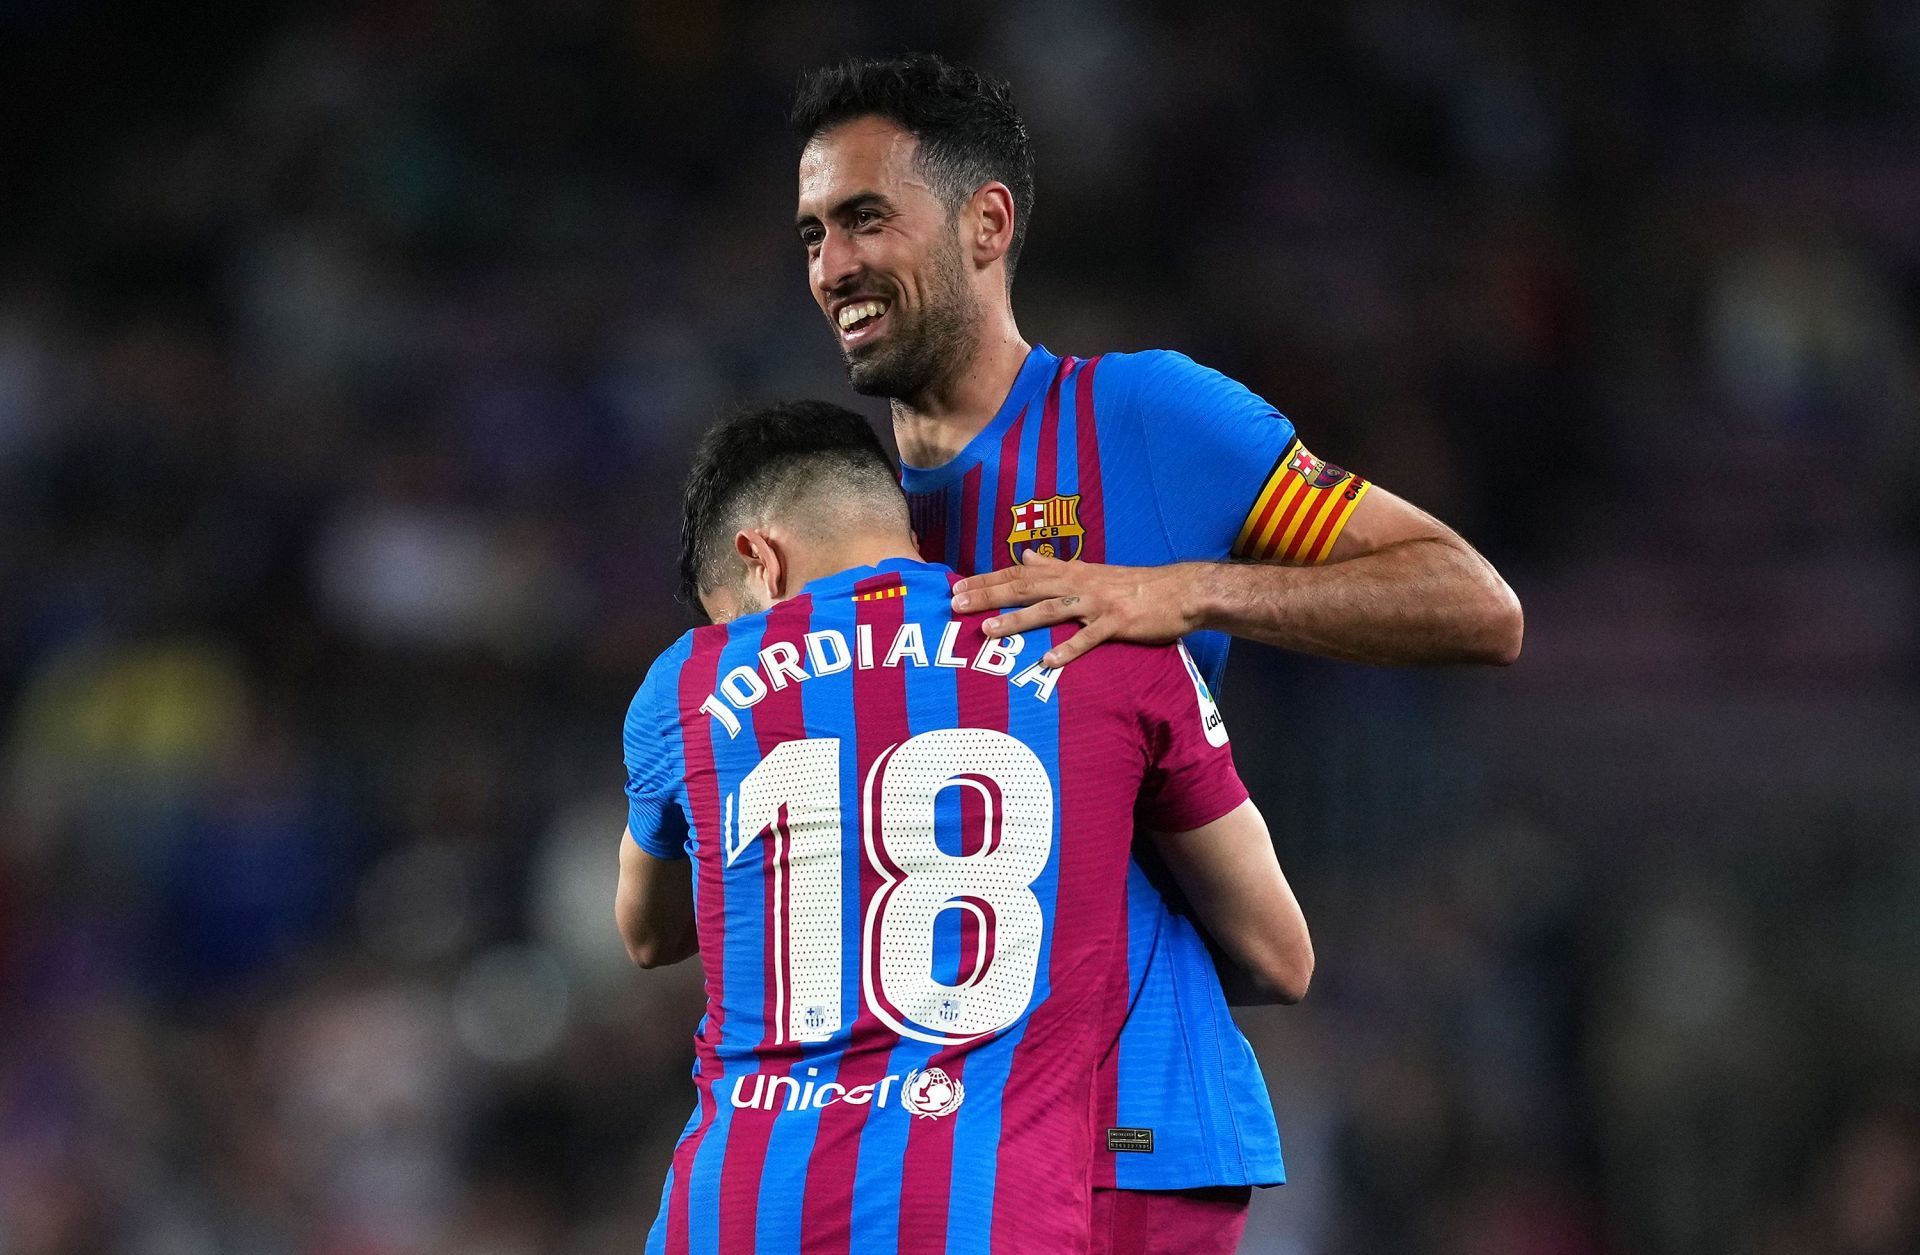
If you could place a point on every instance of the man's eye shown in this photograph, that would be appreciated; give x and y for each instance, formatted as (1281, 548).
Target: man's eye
(811, 236)
(864, 217)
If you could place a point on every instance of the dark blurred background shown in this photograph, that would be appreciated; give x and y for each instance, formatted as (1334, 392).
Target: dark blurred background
(349, 357)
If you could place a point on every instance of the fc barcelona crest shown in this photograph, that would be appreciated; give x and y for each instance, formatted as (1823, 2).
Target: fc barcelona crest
(1048, 525)
(1317, 473)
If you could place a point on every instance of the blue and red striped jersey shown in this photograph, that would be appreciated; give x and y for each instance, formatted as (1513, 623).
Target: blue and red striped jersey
(910, 860)
(1145, 459)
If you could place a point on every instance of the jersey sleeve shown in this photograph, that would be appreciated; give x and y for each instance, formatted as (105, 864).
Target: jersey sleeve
(1190, 779)
(1229, 473)
(655, 763)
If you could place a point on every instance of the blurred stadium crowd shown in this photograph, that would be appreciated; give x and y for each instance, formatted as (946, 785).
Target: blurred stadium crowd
(349, 355)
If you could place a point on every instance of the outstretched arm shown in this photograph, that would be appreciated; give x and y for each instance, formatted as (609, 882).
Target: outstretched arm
(1229, 873)
(653, 906)
(1398, 588)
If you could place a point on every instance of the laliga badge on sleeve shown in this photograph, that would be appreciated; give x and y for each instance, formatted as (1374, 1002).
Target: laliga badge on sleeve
(1210, 719)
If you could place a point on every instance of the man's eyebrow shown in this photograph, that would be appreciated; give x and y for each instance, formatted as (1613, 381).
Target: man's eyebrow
(845, 206)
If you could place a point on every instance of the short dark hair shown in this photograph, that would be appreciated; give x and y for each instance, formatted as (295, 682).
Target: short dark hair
(768, 458)
(969, 131)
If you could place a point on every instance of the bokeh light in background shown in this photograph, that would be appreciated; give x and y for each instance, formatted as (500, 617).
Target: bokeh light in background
(349, 356)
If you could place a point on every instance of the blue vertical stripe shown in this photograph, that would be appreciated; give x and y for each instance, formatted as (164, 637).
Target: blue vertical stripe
(1156, 1042)
(657, 1236)
(1068, 475)
(983, 510)
(828, 703)
(1030, 448)
(743, 961)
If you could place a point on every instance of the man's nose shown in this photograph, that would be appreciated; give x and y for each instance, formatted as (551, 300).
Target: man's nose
(836, 263)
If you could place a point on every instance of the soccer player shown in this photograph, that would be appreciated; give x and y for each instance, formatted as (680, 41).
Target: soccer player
(1029, 472)
(909, 866)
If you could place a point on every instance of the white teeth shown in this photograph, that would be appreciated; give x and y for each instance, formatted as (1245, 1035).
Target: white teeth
(852, 314)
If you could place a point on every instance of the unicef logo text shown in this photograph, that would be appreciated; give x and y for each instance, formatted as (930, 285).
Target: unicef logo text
(927, 1093)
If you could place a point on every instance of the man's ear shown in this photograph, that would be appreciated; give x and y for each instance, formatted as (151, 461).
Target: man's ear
(989, 228)
(766, 565)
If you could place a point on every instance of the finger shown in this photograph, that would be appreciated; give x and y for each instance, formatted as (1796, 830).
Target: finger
(1038, 575)
(1079, 643)
(988, 579)
(1041, 614)
(1022, 588)
(1003, 593)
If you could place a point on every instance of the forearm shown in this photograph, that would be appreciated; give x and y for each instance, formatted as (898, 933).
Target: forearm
(657, 945)
(653, 908)
(1230, 877)
(653, 937)
(1417, 601)
(1242, 988)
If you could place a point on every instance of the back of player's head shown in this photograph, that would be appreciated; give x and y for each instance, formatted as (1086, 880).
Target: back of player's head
(812, 466)
(970, 133)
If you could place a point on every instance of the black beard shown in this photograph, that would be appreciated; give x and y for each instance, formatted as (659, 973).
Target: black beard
(917, 355)
(921, 351)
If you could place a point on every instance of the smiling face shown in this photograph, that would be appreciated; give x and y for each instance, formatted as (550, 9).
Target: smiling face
(884, 259)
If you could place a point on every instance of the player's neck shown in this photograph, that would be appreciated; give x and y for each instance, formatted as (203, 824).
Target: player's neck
(932, 427)
(856, 551)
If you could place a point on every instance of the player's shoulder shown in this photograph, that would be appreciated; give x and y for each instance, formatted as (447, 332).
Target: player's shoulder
(1145, 685)
(656, 699)
(1148, 364)
(1175, 401)
(1116, 670)
(1156, 381)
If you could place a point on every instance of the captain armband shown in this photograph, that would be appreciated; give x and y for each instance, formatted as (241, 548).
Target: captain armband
(1300, 511)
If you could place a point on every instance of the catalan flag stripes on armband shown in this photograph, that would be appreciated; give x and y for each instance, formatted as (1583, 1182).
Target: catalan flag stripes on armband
(1300, 511)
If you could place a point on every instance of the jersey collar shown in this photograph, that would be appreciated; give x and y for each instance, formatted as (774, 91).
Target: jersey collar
(1033, 377)
(843, 581)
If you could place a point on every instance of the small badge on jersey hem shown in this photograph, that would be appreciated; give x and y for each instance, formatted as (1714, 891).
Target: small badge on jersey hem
(1135, 1141)
(1048, 525)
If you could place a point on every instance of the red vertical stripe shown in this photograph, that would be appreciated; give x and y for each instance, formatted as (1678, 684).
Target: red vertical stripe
(969, 545)
(928, 513)
(697, 678)
(1269, 502)
(1272, 548)
(1092, 852)
(1106, 1078)
(1321, 500)
(880, 696)
(1318, 549)
(779, 717)
(1093, 517)
(1093, 548)
(1046, 471)
(1001, 522)
(927, 1173)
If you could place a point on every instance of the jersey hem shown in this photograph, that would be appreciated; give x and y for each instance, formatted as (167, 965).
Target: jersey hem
(1198, 816)
(1259, 1180)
